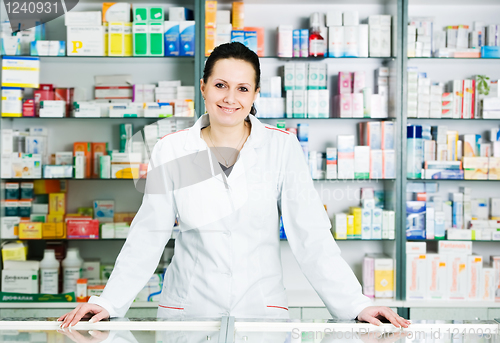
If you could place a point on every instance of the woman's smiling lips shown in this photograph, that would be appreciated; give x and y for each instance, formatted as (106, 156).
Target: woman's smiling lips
(228, 109)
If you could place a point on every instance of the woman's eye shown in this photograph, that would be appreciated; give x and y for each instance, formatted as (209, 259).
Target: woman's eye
(219, 85)
(243, 89)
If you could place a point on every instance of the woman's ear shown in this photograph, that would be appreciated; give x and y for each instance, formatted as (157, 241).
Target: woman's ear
(256, 94)
(202, 88)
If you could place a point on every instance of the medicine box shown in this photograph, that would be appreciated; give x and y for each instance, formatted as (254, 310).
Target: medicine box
(85, 40)
(20, 281)
(384, 277)
(457, 276)
(30, 230)
(9, 227)
(91, 270)
(57, 203)
(416, 248)
(416, 276)
(104, 210)
(437, 273)
(453, 247)
(187, 43)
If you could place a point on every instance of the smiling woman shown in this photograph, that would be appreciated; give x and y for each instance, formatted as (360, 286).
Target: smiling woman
(227, 254)
(229, 86)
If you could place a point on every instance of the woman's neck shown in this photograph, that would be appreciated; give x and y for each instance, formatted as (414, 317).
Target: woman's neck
(228, 136)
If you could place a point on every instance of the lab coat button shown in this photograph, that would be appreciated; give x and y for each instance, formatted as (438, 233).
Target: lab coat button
(227, 233)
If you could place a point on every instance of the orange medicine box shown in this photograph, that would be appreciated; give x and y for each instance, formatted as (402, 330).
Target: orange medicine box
(30, 230)
(81, 290)
(210, 33)
(238, 15)
(210, 13)
(83, 149)
(57, 203)
(98, 150)
(260, 39)
(53, 231)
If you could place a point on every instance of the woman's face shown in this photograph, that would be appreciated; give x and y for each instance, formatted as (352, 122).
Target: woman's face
(230, 91)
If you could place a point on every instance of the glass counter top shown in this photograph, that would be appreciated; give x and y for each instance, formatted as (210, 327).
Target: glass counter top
(231, 330)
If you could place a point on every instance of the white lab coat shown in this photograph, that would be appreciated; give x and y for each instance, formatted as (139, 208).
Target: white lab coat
(227, 254)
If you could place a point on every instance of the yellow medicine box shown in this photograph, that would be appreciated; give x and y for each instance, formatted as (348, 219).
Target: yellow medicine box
(14, 252)
(53, 230)
(30, 230)
(57, 203)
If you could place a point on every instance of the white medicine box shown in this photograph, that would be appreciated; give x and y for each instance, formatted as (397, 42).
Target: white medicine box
(85, 41)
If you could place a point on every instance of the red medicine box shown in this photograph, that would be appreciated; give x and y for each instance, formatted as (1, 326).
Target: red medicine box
(82, 229)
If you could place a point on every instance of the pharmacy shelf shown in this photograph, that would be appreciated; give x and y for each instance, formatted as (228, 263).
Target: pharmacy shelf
(455, 58)
(434, 180)
(80, 58)
(64, 179)
(341, 180)
(456, 119)
(358, 240)
(454, 240)
(312, 58)
(98, 118)
(44, 305)
(330, 118)
(295, 299)
(450, 303)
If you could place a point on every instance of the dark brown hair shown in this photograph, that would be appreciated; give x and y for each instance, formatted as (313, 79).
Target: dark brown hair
(237, 51)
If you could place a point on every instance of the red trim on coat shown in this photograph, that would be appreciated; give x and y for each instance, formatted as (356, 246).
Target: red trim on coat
(272, 128)
(283, 308)
(172, 308)
(173, 133)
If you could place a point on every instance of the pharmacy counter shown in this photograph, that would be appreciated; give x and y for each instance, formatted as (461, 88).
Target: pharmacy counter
(231, 330)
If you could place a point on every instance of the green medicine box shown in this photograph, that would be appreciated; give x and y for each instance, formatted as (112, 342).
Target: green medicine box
(155, 14)
(140, 13)
(156, 41)
(143, 14)
(140, 39)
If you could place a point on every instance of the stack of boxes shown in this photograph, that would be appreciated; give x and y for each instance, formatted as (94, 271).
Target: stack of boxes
(306, 90)
(446, 155)
(270, 103)
(86, 34)
(420, 39)
(453, 273)
(369, 221)
(179, 32)
(374, 158)
(430, 216)
(348, 38)
(356, 100)
(21, 41)
(454, 41)
(474, 98)
(148, 31)
(378, 276)
(220, 30)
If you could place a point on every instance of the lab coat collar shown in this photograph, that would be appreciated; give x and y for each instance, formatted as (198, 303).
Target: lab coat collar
(258, 138)
(258, 134)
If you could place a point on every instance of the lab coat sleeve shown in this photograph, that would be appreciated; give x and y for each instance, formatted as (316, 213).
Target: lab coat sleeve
(149, 233)
(307, 228)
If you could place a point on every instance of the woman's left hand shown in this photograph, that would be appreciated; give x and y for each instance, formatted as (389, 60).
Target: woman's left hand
(372, 314)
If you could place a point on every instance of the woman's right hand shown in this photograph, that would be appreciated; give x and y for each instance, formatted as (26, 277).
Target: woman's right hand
(86, 310)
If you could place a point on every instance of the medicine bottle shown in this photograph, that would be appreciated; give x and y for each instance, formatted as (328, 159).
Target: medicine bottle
(316, 41)
(49, 273)
(72, 270)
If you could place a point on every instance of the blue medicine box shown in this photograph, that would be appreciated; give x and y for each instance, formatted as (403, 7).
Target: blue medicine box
(172, 36)
(415, 219)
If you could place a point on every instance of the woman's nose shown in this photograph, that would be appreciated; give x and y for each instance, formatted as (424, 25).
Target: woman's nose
(229, 98)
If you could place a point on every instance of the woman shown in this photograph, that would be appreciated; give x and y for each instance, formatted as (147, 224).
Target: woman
(229, 178)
